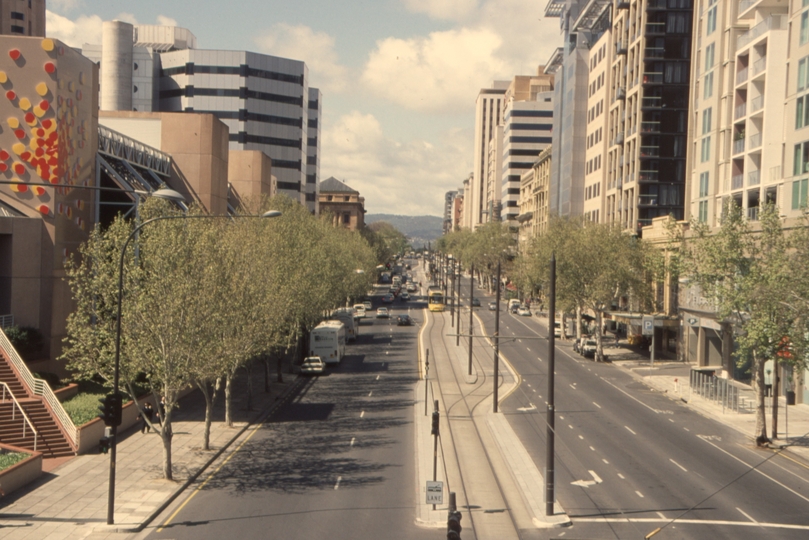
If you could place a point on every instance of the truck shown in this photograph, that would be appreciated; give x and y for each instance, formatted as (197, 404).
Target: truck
(347, 317)
(328, 341)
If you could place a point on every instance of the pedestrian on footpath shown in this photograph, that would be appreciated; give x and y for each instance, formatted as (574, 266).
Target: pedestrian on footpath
(161, 410)
(146, 417)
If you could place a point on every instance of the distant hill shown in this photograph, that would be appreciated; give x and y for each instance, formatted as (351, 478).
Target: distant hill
(418, 229)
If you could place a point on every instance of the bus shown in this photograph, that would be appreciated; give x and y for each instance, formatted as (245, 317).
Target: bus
(328, 341)
(348, 317)
(435, 300)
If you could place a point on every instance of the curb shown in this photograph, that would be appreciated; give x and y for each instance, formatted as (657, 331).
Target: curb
(262, 416)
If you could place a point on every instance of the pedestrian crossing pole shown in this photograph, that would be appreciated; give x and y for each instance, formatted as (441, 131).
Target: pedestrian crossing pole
(496, 340)
(458, 333)
(471, 313)
(551, 420)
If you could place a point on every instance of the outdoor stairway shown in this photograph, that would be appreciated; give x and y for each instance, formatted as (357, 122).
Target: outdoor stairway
(50, 440)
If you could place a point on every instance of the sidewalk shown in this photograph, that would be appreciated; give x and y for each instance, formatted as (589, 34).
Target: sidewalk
(71, 500)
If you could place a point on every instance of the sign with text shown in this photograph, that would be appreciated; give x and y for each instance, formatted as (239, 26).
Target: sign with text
(435, 492)
(648, 325)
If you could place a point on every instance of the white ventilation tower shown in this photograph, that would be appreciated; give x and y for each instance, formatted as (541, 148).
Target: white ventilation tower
(116, 66)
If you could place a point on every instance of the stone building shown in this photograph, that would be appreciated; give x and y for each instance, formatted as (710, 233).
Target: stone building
(344, 204)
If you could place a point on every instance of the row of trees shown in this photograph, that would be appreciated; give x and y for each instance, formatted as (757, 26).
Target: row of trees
(203, 298)
(756, 276)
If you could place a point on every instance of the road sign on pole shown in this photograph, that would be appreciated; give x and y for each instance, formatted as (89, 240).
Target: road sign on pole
(648, 325)
(435, 492)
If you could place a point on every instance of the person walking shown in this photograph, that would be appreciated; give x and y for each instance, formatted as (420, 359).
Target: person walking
(161, 410)
(146, 417)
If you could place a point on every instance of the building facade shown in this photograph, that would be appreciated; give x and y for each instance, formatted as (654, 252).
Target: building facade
(346, 207)
(22, 18)
(449, 203)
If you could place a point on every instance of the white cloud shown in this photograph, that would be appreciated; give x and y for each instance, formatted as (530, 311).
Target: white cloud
(163, 20)
(65, 5)
(441, 72)
(315, 48)
(407, 178)
(85, 29)
(443, 9)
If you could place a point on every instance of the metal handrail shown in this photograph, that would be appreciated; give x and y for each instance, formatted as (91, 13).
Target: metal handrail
(39, 387)
(22, 411)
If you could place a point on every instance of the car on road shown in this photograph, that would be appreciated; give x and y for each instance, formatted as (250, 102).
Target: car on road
(524, 311)
(368, 305)
(313, 365)
(405, 296)
(588, 348)
(382, 313)
(359, 309)
(557, 329)
(411, 287)
(476, 302)
(578, 343)
(404, 320)
(492, 306)
(387, 299)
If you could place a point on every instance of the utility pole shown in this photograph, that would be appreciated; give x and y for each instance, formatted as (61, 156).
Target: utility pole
(458, 333)
(451, 298)
(551, 420)
(497, 339)
(426, 380)
(471, 322)
(435, 433)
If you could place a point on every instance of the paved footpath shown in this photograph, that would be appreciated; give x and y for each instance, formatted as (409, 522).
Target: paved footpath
(71, 500)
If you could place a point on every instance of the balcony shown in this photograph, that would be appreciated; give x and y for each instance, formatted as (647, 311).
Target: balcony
(738, 146)
(648, 176)
(620, 48)
(653, 53)
(623, 4)
(757, 105)
(650, 127)
(651, 102)
(652, 77)
(740, 111)
(655, 28)
(759, 65)
(741, 76)
(647, 200)
(773, 22)
(737, 181)
(753, 178)
(755, 141)
(649, 151)
(620, 93)
(619, 139)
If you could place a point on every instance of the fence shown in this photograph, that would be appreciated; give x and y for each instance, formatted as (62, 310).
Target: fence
(719, 390)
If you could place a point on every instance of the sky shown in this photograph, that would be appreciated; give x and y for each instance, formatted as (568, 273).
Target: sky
(399, 77)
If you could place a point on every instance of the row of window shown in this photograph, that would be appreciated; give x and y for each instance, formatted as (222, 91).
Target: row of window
(595, 137)
(592, 191)
(598, 56)
(241, 93)
(597, 84)
(242, 71)
(595, 111)
(243, 115)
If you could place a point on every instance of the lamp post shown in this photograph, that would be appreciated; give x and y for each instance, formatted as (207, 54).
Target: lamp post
(116, 375)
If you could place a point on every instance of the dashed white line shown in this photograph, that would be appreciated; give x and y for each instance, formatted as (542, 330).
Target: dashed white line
(529, 350)
(377, 377)
(683, 468)
(605, 461)
(629, 430)
(352, 441)
(671, 420)
(639, 494)
(570, 426)
(337, 485)
(370, 393)
(593, 449)
(745, 514)
(685, 428)
(596, 404)
(573, 386)
(362, 414)
(581, 437)
(621, 476)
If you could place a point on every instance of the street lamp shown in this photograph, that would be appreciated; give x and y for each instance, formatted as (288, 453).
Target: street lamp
(166, 194)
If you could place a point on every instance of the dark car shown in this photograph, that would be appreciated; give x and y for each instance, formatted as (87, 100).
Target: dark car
(476, 302)
(492, 306)
(404, 320)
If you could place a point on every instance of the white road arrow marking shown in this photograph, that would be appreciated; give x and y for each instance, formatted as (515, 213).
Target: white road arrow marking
(531, 408)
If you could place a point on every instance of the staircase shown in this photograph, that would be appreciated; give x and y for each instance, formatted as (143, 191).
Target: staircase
(51, 440)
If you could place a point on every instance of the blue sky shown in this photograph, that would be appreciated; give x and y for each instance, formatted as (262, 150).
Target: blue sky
(399, 77)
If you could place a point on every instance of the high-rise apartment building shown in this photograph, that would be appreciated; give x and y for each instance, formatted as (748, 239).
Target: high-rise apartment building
(492, 205)
(449, 202)
(313, 150)
(648, 112)
(527, 127)
(488, 115)
(22, 17)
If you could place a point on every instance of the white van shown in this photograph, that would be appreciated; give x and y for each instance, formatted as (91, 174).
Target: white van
(360, 311)
(346, 316)
(513, 304)
(328, 341)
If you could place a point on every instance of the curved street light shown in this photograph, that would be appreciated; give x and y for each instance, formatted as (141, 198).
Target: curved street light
(164, 194)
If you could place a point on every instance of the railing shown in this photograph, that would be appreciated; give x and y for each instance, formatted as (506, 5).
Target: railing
(717, 389)
(620, 93)
(755, 141)
(741, 76)
(655, 28)
(619, 138)
(39, 388)
(738, 146)
(26, 420)
(740, 111)
(744, 5)
(653, 52)
(773, 22)
(753, 178)
(737, 181)
(648, 176)
(620, 47)
(6, 321)
(651, 101)
(650, 151)
(759, 65)
(757, 104)
(652, 77)
(650, 127)
(650, 200)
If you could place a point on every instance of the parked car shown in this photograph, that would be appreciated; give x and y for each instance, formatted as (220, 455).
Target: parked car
(368, 305)
(382, 313)
(387, 299)
(405, 296)
(360, 311)
(476, 302)
(492, 306)
(404, 320)
(411, 287)
(312, 365)
(557, 329)
(524, 311)
(588, 348)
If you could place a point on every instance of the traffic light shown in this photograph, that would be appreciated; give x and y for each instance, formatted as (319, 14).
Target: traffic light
(454, 526)
(434, 430)
(104, 445)
(110, 409)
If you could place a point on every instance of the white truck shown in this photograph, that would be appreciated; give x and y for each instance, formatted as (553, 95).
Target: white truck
(328, 341)
(347, 317)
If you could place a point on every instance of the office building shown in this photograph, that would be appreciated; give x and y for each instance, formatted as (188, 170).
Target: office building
(22, 18)
(449, 202)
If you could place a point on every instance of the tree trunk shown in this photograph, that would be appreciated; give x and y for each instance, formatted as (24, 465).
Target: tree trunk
(279, 368)
(166, 435)
(758, 385)
(578, 322)
(249, 368)
(599, 356)
(228, 401)
(265, 360)
(206, 433)
(775, 381)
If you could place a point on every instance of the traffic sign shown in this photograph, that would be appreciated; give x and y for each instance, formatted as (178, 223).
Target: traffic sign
(648, 325)
(435, 492)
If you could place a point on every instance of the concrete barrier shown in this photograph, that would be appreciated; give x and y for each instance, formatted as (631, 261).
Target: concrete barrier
(21, 474)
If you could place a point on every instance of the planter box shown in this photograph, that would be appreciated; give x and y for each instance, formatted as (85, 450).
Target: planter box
(21, 474)
(69, 391)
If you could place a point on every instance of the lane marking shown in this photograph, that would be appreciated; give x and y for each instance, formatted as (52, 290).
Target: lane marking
(370, 393)
(789, 526)
(570, 426)
(595, 477)
(640, 494)
(745, 514)
(573, 386)
(685, 428)
(593, 449)
(581, 437)
(362, 414)
(765, 475)
(377, 377)
(337, 485)
(621, 476)
(352, 441)
(661, 515)
(529, 350)
(596, 404)
(605, 461)
(683, 468)
(671, 420)
(632, 397)
(629, 430)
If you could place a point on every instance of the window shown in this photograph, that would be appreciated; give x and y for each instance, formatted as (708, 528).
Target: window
(709, 56)
(801, 164)
(17, 29)
(707, 89)
(799, 192)
(706, 120)
(802, 112)
(705, 151)
(17, 16)
(804, 28)
(703, 211)
(710, 24)
(703, 184)
(802, 66)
